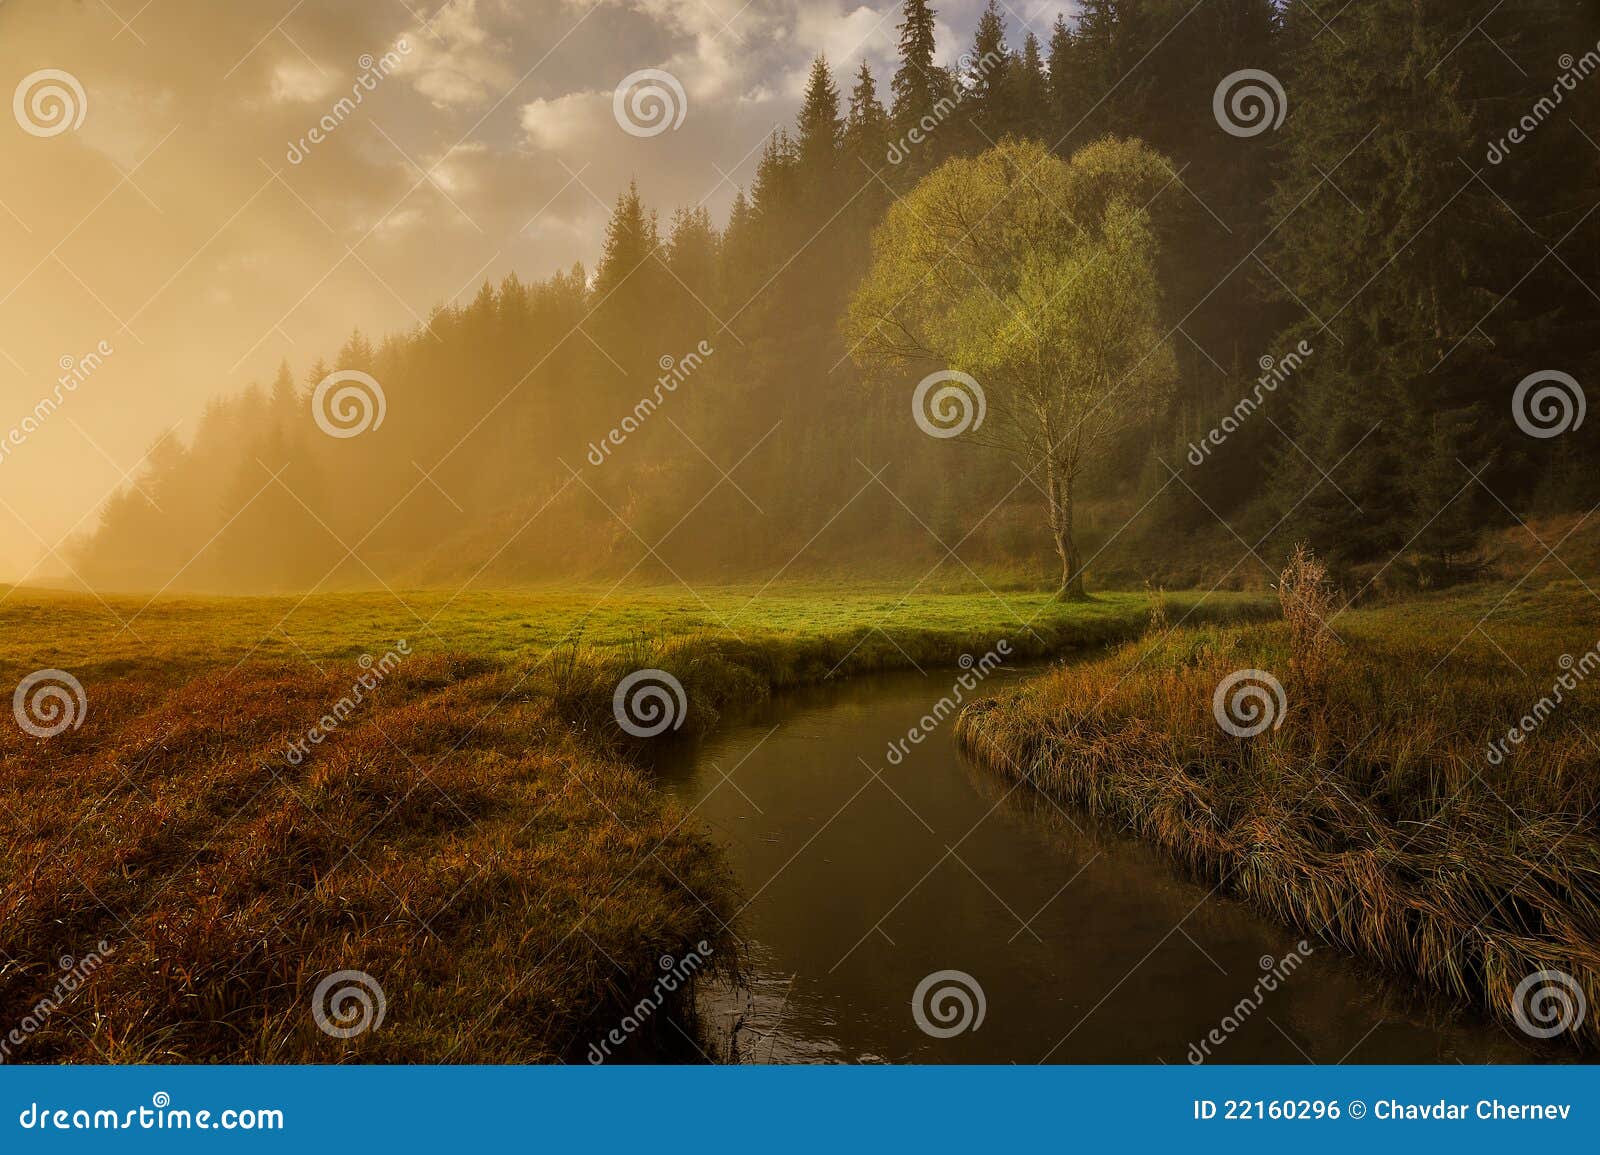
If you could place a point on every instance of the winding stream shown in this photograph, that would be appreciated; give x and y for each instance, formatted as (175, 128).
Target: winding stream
(862, 878)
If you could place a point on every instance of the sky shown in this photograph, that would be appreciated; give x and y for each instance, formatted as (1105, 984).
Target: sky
(175, 208)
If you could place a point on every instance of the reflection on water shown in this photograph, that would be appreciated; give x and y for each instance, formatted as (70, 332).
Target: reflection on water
(862, 878)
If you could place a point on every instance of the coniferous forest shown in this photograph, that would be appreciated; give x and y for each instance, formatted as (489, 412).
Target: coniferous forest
(1376, 272)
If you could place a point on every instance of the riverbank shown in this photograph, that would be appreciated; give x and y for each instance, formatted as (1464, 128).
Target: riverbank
(1383, 806)
(227, 828)
(488, 886)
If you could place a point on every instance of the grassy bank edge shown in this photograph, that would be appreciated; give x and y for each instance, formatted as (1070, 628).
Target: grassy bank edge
(1170, 777)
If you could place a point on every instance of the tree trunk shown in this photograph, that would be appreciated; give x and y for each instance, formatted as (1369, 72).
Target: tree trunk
(1059, 492)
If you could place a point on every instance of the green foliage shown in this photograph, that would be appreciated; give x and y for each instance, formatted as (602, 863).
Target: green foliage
(1037, 277)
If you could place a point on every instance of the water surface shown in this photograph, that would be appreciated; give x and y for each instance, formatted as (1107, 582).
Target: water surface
(862, 878)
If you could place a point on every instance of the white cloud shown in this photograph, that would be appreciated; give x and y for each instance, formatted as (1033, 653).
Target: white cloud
(295, 80)
(845, 38)
(456, 61)
(567, 121)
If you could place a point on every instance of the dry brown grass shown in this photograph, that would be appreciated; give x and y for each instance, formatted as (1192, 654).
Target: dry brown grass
(508, 884)
(1309, 604)
(472, 837)
(1371, 817)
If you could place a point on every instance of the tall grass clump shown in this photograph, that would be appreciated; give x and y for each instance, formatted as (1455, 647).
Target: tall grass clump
(1309, 603)
(1371, 816)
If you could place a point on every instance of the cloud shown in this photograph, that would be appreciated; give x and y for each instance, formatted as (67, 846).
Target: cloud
(457, 61)
(845, 38)
(296, 80)
(567, 122)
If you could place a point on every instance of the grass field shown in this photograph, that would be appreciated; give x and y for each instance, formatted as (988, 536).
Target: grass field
(469, 832)
(472, 833)
(1374, 815)
(186, 634)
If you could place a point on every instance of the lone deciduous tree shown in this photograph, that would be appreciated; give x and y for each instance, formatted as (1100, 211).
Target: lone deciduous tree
(1036, 277)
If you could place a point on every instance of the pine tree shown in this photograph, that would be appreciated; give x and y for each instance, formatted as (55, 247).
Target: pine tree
(630, 240)
(866, 153)
(1032, 96)
(1062, 92)
(987, 81)
(356, 352)
(919, 84)
(629, 285)
(1091, 85)
(286, 408)
(691, 255)
(819, 140)
(866, 131)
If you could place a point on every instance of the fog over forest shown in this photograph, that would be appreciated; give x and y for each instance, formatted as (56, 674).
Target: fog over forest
(1342, 351)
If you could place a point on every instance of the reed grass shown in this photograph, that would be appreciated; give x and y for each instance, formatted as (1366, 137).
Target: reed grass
(1371, 817)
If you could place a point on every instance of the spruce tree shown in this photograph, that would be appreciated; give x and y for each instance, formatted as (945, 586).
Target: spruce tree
(1062, 91)
(820, 140)
(986, 79)
(866, 130)
(919, 85)
(1032, 106)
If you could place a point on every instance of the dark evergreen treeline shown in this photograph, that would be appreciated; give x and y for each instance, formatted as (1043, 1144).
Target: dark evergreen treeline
(692, 405)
